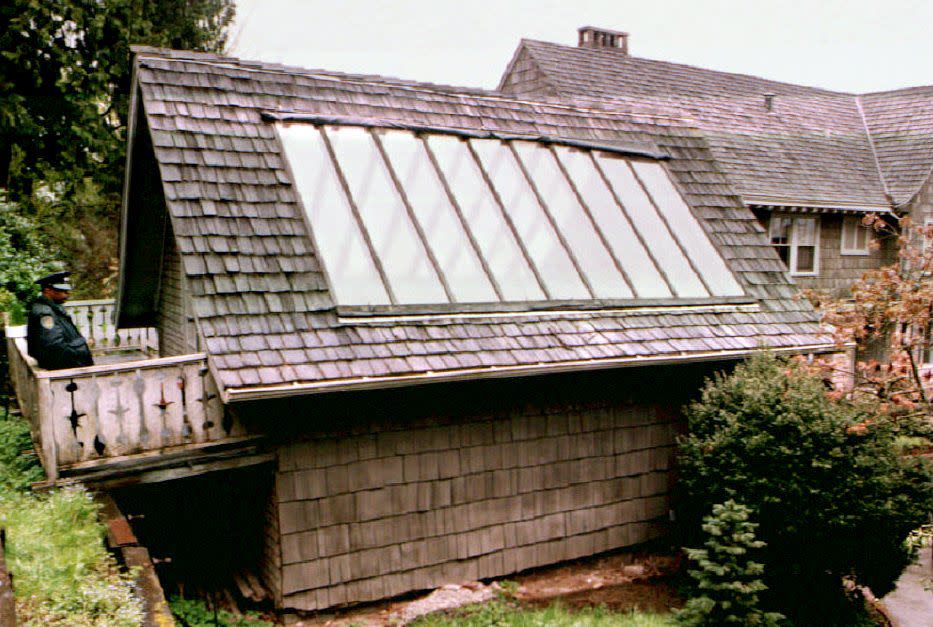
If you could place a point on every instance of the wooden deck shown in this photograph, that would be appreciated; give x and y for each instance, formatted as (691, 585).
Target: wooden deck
(131, 413)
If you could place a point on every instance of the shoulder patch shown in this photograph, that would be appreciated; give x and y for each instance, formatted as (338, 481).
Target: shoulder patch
(47, 321)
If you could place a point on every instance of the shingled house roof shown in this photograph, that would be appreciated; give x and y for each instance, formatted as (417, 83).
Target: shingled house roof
(800, 146)
(263, 306)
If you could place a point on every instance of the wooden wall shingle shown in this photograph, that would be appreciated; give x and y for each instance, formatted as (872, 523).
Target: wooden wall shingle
(365, 516)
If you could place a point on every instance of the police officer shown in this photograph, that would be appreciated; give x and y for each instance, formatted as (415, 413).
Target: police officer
(51, 336)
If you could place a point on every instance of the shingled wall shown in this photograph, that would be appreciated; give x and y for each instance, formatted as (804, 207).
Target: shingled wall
(174, 323)
(451, 484)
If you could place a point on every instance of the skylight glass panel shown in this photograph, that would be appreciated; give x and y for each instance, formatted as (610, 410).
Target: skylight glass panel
(534, 228)
(613, 223)
(353, 275)
(602, 273)
(395, 240)
(685, 227)
(422, 220)
(443, 230)
(640, 209)
(485, 220)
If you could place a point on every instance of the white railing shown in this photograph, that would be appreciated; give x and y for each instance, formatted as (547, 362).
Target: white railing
(83, 417)
(95, 320)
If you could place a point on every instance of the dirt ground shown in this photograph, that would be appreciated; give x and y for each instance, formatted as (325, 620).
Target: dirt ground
(620, 582)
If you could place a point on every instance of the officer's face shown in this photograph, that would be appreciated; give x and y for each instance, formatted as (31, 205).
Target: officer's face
(56, 296)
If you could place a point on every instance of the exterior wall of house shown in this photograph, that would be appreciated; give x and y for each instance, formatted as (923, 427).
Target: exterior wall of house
(429, 486)
(837, 272)
(175, 322)
(921, 209)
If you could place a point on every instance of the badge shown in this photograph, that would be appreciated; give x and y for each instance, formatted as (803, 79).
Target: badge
(47, 321)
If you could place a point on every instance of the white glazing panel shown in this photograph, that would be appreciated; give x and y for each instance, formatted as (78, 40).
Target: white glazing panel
(544, 247)
(353, 275)
(623, 241)
(705, 257)
(638, 207)
(442, 228)
(392, 233)
(496, 242)
(572, 222)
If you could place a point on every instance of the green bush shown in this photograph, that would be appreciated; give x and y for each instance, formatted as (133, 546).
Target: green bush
(822, 477)
(24, 256)
(63, 574)
(17, 471)
(727, 580)
(196, 613)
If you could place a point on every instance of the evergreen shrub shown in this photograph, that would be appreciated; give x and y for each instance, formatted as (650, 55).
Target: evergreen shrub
(821, 475)
(728, 582)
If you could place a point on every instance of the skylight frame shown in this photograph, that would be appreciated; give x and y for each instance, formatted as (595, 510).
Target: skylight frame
(420, 135)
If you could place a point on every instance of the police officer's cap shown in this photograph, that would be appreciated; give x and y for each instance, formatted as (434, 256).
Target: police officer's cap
(56, 280)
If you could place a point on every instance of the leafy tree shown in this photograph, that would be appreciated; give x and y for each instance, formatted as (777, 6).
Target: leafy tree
(727, 580)
(822, 476)
(65, 71)
(890, 313)
(24, 256)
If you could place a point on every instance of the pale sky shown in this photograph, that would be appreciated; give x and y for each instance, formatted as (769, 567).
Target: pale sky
(847, 45)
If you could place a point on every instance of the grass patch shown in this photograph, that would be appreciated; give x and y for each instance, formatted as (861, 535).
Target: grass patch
(503, 613)
(63, 575)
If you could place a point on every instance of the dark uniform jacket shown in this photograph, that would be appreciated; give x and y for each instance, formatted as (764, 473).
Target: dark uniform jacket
(53, 339)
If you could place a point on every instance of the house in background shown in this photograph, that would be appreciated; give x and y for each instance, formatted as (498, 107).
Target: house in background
(420, 334)
(809, 162)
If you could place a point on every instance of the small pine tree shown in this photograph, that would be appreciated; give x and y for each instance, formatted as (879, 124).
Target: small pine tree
(727, 580)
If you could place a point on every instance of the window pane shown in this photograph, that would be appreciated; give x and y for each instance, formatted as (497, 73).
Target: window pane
(533, 227)
(442, 229)
(805, 232)
(652, 229)
(784, 253)
(572, 221)
(353, 276)
(641, 270)
(687, 230)
(394, 238)
(780, 230)
(482, 215)
(806, 257)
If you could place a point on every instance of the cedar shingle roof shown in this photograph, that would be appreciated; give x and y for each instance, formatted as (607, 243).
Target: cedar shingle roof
(811, 149)
(262, 302)
(901, 126)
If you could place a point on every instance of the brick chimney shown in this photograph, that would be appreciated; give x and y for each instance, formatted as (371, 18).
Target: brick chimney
(602, 38)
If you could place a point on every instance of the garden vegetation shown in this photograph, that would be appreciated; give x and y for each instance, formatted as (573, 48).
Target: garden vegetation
(821, 476)
(63, 574)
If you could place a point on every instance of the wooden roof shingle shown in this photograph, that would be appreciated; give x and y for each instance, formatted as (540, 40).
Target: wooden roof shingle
(263, 305)
(809, 146)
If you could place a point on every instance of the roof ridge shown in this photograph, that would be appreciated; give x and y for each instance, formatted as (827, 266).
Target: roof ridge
(693, 67)
(250, 64)
(449, 90)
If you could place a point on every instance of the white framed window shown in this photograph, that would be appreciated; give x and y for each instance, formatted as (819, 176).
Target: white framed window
(797, 240)
(855, 236)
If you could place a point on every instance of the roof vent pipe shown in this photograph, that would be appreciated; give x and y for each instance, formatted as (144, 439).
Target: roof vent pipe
(602, 38)
(769, 102)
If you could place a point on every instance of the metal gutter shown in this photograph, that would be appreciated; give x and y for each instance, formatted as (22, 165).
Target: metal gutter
(501, 372)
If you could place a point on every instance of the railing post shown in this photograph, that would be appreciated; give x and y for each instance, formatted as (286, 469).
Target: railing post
(47, 429)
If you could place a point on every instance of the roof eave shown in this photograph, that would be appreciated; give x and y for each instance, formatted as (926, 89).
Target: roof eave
(124, 202)
(503, 372)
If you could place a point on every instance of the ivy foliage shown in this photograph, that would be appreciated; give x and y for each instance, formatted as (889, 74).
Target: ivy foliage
(822, 475)
(24, 256)
(728, 582)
